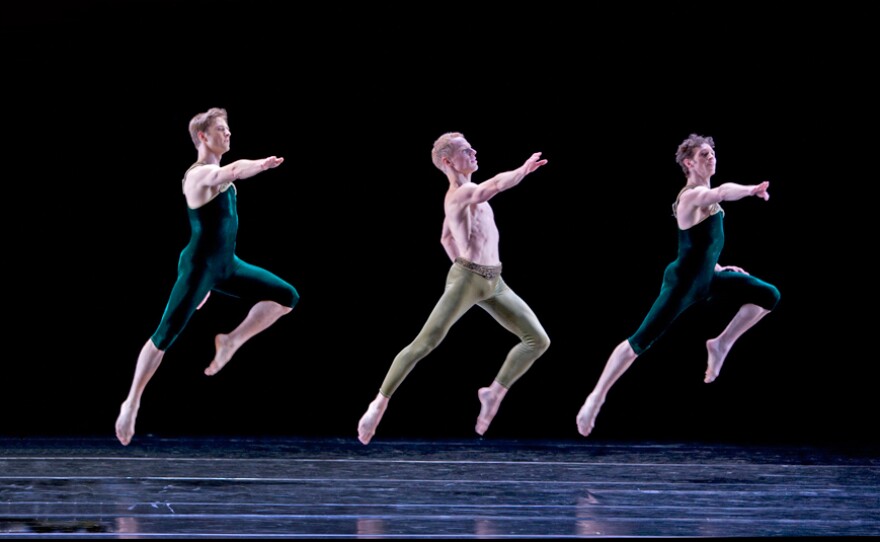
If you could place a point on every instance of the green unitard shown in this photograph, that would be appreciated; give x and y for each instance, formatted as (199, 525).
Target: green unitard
(208, 263)
(464, 289)
(691, 277)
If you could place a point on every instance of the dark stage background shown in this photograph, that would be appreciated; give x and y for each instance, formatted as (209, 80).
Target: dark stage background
(98, 97)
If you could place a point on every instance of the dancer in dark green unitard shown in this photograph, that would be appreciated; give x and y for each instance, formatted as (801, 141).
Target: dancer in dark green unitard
(694, 276)
(208, 262)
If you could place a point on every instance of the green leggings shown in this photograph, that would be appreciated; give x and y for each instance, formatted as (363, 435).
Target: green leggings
(464, 289)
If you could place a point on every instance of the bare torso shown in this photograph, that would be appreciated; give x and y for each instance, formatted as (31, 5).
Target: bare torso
(469, 229)
(473, 229)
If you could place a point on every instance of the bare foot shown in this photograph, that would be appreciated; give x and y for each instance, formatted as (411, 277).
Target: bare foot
(586, 417)
(125, 423)
(490, 400)
(224, 349)
(716, 359)
(370, 420)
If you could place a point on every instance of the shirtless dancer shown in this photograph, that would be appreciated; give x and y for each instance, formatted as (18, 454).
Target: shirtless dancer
(470, 238)
(208, 262)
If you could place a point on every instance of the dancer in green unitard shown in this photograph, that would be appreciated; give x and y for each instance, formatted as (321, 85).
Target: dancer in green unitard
(208, 262)
(470, 238)
(694, 275)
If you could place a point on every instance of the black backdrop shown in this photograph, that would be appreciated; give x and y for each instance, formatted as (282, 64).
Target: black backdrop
(98, 97)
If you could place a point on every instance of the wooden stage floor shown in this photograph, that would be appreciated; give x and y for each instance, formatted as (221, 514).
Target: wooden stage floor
(228, 487)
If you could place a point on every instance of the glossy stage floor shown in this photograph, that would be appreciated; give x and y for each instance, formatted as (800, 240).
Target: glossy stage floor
(481, 488)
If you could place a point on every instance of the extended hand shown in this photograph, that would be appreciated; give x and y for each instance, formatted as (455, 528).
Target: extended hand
(760, 190)
(534, 162)
(272, 161)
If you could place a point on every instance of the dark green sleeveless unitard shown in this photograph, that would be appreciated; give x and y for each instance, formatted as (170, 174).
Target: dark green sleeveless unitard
(691, 277)
(208, 262)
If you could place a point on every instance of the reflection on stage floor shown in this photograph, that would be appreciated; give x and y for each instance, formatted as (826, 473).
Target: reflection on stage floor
(228, 487)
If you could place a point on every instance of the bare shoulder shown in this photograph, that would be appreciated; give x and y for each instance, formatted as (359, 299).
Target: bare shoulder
(198, 171)
(690, 196)
(461, 193)
(692, 191)
(196, 189)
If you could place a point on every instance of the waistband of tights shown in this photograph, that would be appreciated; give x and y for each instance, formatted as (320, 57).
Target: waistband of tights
(486, 271)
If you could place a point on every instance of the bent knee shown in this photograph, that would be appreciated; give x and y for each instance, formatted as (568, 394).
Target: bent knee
(539, 343)
(775, 296)
(769, 298)
(290, 298)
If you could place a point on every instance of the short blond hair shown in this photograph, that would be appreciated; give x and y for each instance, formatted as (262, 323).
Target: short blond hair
(443, 148)
(203, 121)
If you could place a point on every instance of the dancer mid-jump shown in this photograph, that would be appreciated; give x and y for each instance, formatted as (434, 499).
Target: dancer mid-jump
(470, 237)
(208, 262)
(694, 275)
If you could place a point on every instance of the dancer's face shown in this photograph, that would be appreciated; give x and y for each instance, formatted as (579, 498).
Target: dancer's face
(703, 162)
(464, 157)
(217, 136)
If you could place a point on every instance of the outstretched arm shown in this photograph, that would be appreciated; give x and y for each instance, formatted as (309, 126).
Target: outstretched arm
(240, 169)
(501, 182)
(703, 197)
(203, 183)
